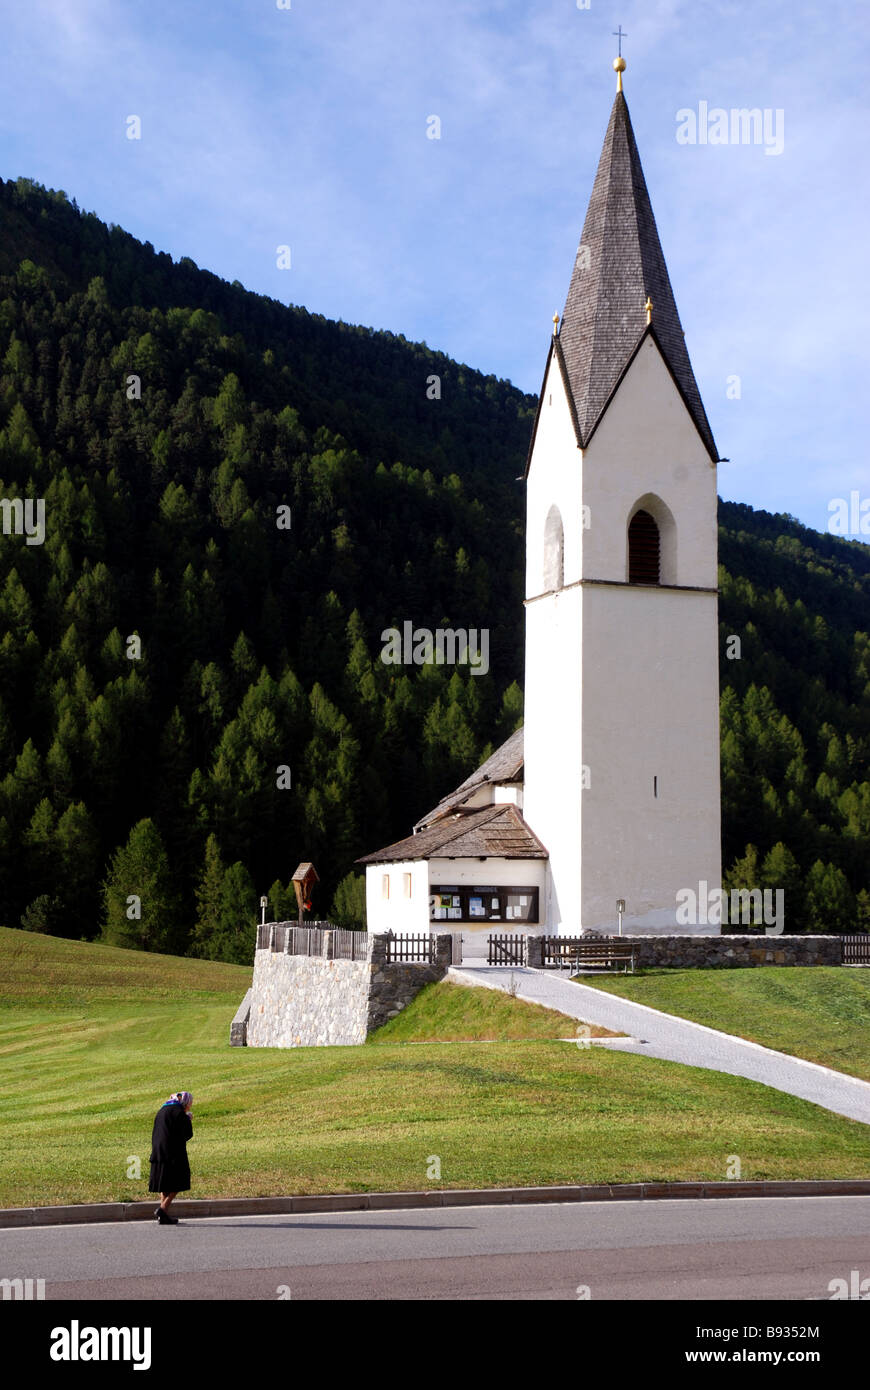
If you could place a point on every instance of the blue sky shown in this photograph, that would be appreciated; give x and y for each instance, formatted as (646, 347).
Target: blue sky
(307, 127)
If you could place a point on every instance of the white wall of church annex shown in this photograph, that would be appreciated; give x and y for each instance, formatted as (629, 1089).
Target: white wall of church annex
(404, 915)
(492, 872)
(399, 912)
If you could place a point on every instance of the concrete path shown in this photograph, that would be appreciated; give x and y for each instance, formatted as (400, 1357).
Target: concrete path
(656, 1034)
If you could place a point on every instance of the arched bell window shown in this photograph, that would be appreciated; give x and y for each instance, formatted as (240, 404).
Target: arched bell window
(644, 550)
(554, 551)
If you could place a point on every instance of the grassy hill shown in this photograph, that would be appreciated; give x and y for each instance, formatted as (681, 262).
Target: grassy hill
(455, 1013)
(37, 969)
(83, 1068)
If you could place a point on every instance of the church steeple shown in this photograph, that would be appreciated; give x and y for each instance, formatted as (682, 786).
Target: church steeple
(621, 736)
(620, 287)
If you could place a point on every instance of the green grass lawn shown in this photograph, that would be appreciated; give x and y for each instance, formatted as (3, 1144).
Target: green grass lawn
(93, 1039)
(37, 969)
(821, 1013)
(459, 1013)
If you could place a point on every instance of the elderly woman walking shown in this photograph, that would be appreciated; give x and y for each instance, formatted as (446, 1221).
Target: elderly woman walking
(170, 1170)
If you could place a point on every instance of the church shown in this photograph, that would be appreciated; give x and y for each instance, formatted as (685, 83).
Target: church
(605, 806)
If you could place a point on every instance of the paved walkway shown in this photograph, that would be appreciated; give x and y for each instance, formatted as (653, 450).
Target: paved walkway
(656, 1034)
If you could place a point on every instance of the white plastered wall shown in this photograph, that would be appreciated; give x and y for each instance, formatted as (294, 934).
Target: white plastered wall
(622, 681)
(646, 444)
(650, 814)
(651, 669)
(411, 915)
(397, 913)
(484, 873)
(552, 776)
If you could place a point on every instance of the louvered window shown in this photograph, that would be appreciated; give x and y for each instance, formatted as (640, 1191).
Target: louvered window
(643, 550)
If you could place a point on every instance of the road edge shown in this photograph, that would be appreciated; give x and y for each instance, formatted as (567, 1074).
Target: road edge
(95, 1212)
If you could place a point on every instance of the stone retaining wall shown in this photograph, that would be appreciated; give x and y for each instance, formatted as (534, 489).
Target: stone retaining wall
(724, 952)
(309, 1001)
(239, 1025)
(706, 952)
(304, 1001)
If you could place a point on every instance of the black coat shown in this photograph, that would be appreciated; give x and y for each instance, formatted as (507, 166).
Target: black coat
(170, 1170)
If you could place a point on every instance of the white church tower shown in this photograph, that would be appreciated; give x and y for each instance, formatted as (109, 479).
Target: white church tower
(621, 742)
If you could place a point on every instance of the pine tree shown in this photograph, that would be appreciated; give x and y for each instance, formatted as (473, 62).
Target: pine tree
(20, 790)
(45, 914)
(831, 905)
(77, 849)
(349, 904)
(282, 905)
(141, 906)
(239, 917)
(226, 910)
(207, 927)
(511, 716)
(781, 871)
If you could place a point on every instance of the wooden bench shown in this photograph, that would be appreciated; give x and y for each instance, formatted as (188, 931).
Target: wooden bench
(600, 953)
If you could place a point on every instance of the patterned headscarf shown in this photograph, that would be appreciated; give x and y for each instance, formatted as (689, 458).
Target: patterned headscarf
(180, 1098)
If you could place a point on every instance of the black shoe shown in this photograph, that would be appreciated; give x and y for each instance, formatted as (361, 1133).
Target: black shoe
(163, 1218)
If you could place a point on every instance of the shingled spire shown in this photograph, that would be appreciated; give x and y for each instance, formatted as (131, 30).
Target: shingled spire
(620, 287)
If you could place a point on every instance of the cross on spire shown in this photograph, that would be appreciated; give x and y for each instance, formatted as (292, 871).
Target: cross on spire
(619, 63)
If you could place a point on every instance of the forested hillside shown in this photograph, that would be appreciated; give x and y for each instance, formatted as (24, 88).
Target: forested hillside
(795, 716)
(166, 417)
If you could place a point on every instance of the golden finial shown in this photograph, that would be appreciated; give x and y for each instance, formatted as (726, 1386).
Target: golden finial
(648, 307)
(555, 325)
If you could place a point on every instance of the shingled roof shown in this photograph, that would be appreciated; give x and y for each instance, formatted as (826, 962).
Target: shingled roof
(621, 266)
(494, 831)
(504, 765)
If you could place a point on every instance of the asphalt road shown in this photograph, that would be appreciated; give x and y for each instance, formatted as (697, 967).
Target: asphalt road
(740, 1248)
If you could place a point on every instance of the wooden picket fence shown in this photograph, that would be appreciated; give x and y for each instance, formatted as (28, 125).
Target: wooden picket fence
(349, 945)
(335, 943)
(856, 950)
(418, 947)
(506, 948)
(557, 950)
(314, 939)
